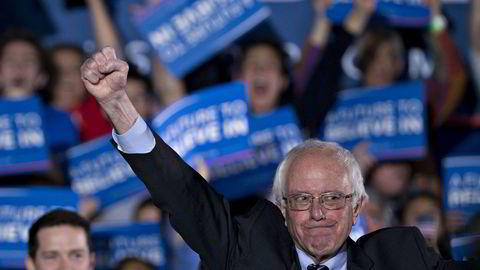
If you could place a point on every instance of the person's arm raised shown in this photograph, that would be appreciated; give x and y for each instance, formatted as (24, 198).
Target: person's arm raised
(105, 77)
(174, 186)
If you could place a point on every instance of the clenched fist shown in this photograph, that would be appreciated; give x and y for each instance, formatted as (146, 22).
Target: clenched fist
(104, 75)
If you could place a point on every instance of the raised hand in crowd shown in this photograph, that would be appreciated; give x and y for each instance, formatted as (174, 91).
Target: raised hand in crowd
(321, 24)
(358, 18)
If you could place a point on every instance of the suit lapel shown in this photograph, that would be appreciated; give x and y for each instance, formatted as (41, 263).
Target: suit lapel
(295, 266)
(296, 261)
(356, 258)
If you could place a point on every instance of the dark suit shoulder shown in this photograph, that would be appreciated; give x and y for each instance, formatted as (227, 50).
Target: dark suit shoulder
(263, 215)
(256, 207)
(390, 233)
(404, 248)
(397, 242)
(262, 235)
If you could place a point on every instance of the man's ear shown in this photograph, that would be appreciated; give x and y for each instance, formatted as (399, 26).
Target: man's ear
(283, 208)
(356, 209)
(29, 265)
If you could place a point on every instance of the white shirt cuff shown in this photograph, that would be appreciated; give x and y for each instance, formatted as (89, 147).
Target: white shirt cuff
(137, 140)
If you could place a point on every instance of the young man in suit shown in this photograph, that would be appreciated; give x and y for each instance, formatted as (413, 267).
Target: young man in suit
(60, 239)
(318, 188)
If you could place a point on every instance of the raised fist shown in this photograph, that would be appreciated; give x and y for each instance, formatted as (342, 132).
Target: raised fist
(104, 75)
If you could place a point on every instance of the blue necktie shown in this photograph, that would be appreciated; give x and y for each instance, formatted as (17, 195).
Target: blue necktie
(317, 267)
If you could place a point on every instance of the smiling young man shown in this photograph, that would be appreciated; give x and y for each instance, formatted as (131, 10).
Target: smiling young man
(60, 240)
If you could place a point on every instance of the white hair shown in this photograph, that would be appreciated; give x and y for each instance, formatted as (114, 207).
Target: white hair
(334, 151)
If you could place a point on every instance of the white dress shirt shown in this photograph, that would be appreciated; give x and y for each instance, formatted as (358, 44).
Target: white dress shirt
(338, 262)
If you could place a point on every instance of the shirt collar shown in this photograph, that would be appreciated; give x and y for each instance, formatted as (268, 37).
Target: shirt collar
(337, 262)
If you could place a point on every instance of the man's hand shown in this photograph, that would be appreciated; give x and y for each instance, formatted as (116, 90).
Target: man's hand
(105, 77)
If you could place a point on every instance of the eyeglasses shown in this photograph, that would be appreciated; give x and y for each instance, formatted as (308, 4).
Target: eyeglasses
(329, 200)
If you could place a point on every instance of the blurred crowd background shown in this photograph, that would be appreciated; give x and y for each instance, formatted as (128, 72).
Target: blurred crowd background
(295, 58)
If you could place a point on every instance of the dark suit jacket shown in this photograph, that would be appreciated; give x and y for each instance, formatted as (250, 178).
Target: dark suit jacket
(258, 239)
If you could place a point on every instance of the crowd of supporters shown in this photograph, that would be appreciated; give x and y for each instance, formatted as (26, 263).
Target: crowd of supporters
(401, 192)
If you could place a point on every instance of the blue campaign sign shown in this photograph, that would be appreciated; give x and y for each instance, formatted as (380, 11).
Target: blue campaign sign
(113, 243)
(252, 169)
(462, 183)
(186, 33)
(465, 246)
(19, 208)
(212, 123)
(391, 118)
(23, 146)
(97, 169)
(240, 150)
(410, 13)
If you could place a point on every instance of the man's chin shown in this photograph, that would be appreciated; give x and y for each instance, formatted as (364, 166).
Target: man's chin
(320, 252)
(319, 243)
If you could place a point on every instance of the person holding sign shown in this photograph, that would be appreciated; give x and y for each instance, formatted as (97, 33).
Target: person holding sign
(25, 71)
(318, 189)
(60, 239)
(264, 69)
(379, 62)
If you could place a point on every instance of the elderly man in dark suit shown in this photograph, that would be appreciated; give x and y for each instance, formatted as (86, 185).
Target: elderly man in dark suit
(318, 189)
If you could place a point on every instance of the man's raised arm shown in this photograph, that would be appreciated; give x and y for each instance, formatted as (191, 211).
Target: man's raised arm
(175, 186)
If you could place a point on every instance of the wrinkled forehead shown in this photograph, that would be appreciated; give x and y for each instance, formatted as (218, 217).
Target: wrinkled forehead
(324, 170)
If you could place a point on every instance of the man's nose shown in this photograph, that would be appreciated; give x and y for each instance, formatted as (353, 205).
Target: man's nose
(317, 212)
(65, 264)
